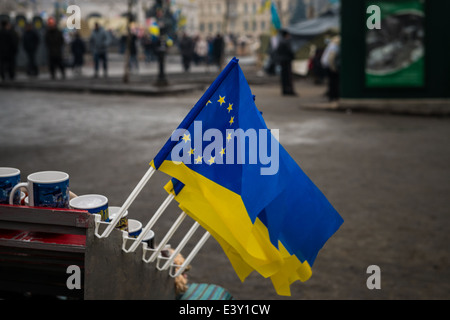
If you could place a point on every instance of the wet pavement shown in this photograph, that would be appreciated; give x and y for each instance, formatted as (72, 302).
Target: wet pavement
(387, 175)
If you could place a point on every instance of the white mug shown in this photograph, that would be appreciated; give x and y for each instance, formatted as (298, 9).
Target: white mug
(46, 189)
(93, 203)
(123, 222)
(134, 228)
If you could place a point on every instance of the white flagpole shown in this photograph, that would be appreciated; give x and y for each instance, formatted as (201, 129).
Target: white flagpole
(191, 255)
(180, 247)
(166, 239)
(150, 224)
(126, 204)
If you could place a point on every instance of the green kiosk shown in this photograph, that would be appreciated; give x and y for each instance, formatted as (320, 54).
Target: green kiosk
(395, 56)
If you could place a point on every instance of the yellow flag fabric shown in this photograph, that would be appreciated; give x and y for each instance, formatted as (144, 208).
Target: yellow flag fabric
(255, 251)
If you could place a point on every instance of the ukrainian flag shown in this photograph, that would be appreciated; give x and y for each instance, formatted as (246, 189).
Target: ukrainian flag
(282, 268)
(276, 22)
(265, 5)
(273, 223)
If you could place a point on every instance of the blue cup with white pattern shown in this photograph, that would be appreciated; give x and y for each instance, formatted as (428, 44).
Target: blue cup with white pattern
(48, 189)
(9, 177)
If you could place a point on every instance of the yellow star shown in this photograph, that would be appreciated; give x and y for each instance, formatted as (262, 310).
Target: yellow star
(230, 107)
(186, 138)
(229, 137)
(198, 160)
(192, 151)
(221, 100)
(212, 160)
(231, 121)
(209, 101)
(223, 151)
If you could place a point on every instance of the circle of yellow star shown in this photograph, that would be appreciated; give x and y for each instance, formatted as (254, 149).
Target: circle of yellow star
(212, 160)
(221, 100)
(186, 138)
(222, 152)
(192, 151)
(229, 137)
(198, 160)
(231, 121)
(230, 107)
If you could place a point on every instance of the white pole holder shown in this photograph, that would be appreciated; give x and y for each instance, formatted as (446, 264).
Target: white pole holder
(161, 246)
(191, 256)
(125, 205)
(149, 225)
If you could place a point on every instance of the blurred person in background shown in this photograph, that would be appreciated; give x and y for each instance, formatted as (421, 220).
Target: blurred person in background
(201, 50)
(284, 56)
(30, 45)
(99, 47)
(78, 50)
(148, 47)
(317, 68)
(218, 50)
(331, 62)
(55, 43)
(134, 64)
(9, 44)
(186, 46)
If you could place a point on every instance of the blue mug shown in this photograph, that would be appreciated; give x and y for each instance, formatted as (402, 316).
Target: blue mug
(9, 177)
(48, 189)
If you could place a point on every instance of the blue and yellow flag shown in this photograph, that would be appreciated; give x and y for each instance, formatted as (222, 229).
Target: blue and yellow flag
(282, 267)
(276, 22)
(265, 5)
(242, 186)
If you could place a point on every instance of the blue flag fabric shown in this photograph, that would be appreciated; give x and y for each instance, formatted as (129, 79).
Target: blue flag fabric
(226, 109)
(258, 255)
(223, 123)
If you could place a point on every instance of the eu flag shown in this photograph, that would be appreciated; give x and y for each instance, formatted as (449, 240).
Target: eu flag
(242, 184)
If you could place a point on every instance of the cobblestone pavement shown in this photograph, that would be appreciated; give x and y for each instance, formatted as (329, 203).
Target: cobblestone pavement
(387, 175)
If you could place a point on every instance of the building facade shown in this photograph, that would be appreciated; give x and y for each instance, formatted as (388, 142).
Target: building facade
(244, 17)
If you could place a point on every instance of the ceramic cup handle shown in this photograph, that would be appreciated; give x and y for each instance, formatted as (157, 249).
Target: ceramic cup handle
(13, 191)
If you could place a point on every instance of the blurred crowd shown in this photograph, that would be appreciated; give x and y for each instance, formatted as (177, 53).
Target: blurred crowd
(52, 49)
(30, 40)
